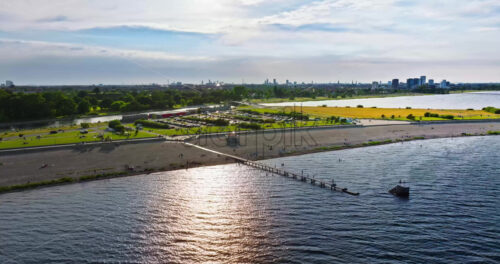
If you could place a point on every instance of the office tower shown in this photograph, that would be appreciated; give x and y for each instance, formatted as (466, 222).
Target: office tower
(422, 80)
(395, 83)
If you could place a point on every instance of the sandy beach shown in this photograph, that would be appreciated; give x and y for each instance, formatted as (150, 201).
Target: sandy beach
(24, 168)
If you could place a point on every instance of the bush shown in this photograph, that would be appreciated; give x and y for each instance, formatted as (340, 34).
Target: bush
(117, 105)
(85, 125)
(427, 114)
(216, 122)
(383, 116)
(219, 122)
(269, 121)
(492, 109)
(253, 126)
(411, 117)
(447, 116)
(151, 124)
(249, 111)
(114, 123)
(119, 128)
(359, 106)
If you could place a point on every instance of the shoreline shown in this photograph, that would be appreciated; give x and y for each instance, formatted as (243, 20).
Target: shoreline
(147, 171)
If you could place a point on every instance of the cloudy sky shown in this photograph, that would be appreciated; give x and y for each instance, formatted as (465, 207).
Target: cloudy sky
(130, 41)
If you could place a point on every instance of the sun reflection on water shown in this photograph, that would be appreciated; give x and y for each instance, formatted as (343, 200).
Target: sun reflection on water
(210, 216)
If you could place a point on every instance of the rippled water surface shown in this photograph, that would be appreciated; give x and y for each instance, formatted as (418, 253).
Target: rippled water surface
(234, 214)
(477, 100)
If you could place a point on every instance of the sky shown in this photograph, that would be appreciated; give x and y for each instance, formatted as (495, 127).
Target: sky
(45, 42)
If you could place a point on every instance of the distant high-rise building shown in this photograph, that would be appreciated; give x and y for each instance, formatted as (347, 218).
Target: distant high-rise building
(412, 83)
(444, 84)
(287, 82)
(422, 80)
(374, 85)
(9, 83)
(431, 81)
(275, 82)
(395, 83)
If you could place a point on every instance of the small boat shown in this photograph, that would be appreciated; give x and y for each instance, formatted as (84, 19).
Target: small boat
(400, 191)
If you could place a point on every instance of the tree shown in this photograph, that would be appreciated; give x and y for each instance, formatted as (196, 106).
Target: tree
(240, 92)
(117, 105)
(96, 90)
(114, 123)
(65, 106)
(106, 103)
(85, 125)
(82, 94)
(83, 106)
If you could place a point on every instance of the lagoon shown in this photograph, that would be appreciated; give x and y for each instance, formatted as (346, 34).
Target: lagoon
(475, 100)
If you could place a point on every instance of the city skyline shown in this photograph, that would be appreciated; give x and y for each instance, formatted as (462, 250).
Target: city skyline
(117, 42)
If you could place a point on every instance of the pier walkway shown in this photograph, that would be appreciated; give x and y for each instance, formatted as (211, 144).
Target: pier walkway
(278, 171)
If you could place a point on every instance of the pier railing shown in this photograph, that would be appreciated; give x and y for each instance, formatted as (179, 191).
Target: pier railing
(278, 171)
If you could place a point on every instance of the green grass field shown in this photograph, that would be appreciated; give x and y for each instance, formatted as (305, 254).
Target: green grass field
(69, 137)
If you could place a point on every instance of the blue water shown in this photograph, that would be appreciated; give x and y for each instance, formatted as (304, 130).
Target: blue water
(236, 214)
(477, 100)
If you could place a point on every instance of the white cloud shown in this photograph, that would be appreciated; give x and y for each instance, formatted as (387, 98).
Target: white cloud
(422, 31)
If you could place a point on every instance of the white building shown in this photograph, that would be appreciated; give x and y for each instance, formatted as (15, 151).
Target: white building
(9, 83)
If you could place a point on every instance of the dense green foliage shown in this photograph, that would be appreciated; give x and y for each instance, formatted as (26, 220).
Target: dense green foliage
(63, 102)
(215, 122)
(492, 109)
(152, 124)
(428, 114)
(16, 106)
(254, 119)
(116, 125)
(246, 125)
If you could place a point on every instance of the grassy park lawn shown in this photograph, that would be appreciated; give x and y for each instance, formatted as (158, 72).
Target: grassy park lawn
(67, 137)
(230, 128)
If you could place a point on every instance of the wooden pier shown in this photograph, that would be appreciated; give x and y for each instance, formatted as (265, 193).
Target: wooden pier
(281, 172)
(302, 178)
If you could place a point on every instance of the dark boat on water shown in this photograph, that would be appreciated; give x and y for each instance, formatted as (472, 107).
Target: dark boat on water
(400, 191)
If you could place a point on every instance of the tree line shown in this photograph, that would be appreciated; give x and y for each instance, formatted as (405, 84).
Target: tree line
(18, 106)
